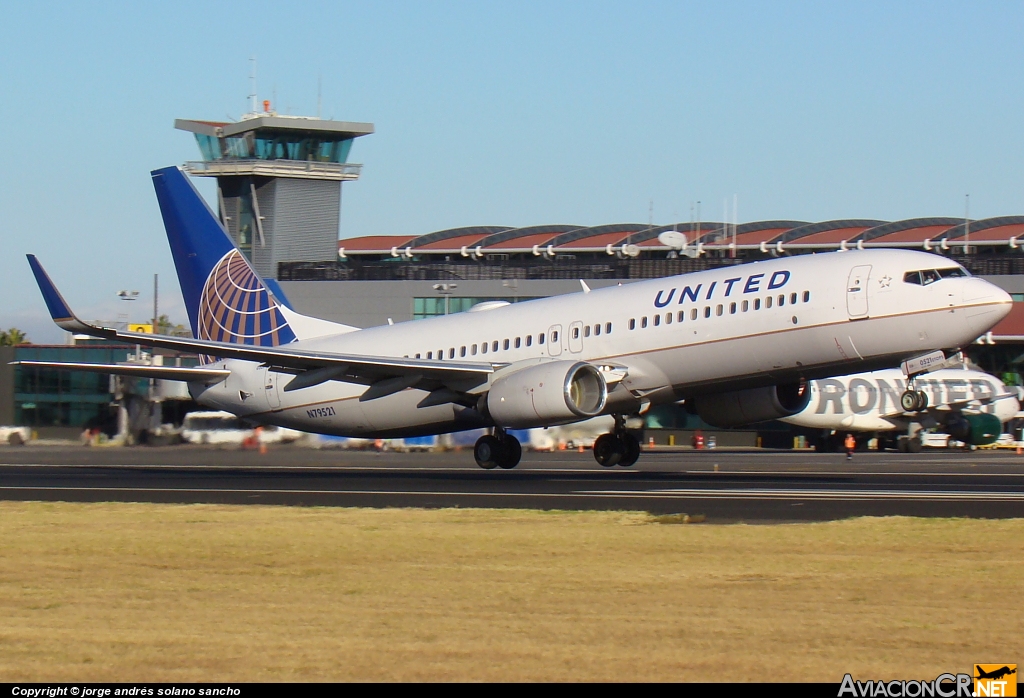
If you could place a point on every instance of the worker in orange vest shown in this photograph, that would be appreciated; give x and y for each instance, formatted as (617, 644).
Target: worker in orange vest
(850, 443)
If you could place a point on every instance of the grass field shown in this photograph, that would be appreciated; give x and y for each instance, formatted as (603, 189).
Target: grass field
(128, 592)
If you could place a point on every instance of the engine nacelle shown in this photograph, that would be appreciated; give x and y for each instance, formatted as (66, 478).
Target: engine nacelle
(554, 392)
(755, 405)
(974, 429)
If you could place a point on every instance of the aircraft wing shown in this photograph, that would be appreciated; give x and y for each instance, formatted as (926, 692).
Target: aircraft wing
(313, 366)
(174, 373)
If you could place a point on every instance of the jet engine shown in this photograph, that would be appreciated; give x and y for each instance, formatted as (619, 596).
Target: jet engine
(755, 405)
(554, 392)
(974, 429)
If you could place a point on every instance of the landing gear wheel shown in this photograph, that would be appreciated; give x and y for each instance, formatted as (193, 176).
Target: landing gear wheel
(630, 450)
(511, 452)
(608, 450)
(909, 401)
(922, 400)
(488, 452)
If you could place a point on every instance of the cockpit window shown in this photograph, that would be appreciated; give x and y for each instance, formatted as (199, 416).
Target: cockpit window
(930, 276)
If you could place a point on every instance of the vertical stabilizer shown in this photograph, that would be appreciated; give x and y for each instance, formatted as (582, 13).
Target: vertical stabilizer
(226, 300)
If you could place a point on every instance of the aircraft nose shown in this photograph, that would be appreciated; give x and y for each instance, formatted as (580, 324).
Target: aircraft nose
(1003, 298)
(986, 303)
(979, 291)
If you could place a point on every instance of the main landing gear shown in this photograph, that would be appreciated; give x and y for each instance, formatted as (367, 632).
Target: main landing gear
(913, 400)
(502, 450)
(617, 448)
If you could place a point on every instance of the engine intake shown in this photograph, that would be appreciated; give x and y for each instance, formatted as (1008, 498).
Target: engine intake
(755, 405)
(546, 394)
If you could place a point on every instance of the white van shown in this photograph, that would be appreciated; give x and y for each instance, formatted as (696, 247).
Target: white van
(15, 436)
(226, 428)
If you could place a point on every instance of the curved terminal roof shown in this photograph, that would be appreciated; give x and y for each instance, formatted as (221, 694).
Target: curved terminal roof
(521, 238)
(374, 243)
(456, 238)
(597, 236)
(910, 230)
(692, 231)
(1002, 229)
(919, 233)
(826, 232)
(763, 231)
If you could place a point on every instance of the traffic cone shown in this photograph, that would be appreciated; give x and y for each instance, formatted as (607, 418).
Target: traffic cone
(580, 450)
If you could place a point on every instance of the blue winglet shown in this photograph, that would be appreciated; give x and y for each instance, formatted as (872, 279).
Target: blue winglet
(55, 303)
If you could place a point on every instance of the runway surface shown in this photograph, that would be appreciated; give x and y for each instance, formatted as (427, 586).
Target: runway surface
(723, 486)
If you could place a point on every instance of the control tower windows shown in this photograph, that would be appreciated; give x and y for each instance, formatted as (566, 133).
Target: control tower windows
(275, 145)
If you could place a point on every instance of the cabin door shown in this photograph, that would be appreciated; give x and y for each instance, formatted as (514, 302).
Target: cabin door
(555, 340)
(268, 384)
(857, 291)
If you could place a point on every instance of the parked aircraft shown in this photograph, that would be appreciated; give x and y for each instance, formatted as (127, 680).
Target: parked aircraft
(969, 405)
(740, 342)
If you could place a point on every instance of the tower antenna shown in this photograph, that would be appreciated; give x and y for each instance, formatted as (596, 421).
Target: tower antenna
(967, 224)
(252, 84)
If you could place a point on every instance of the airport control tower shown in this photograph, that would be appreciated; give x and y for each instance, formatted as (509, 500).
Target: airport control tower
(278, 182)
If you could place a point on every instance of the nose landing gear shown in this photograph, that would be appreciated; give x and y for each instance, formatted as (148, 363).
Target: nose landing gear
(617, 448)
(502, 450)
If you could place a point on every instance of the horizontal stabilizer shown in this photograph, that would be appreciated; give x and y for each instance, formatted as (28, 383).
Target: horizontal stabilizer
(170, 373)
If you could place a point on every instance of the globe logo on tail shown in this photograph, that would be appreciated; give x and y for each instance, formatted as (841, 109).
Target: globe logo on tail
(235, 307)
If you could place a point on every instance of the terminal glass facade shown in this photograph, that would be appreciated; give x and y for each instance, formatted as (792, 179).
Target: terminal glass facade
(50, 398)
(435, 306)
(276, 145)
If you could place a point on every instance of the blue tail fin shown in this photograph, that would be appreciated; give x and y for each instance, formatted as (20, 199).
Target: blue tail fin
(226, 299)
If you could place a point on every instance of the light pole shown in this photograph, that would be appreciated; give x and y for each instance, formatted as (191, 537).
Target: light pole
(446, 290)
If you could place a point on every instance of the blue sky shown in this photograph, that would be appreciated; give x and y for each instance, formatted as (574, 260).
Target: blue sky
(511, 113)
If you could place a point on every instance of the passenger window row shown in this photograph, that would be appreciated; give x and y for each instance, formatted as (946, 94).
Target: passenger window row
(720, 309)
(516, 343)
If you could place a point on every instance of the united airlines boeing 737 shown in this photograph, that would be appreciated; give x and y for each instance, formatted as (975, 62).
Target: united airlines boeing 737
(739, 342)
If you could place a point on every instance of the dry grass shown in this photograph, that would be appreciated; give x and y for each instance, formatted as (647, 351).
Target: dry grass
(192, 593)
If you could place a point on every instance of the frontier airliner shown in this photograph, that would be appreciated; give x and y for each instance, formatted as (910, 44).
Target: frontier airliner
(969, 405)
(739, 343)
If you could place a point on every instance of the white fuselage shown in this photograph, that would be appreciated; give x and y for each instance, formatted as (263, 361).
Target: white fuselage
(871, 401)
(724, 329)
